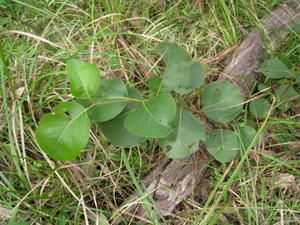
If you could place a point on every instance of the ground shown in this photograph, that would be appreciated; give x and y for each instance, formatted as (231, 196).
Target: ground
(36, 40)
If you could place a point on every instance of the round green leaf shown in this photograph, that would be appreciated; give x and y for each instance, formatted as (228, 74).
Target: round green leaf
(246, 135)
(183, 141)
(153, 117)
(154, 84)
(108, 102)
(284, 94)
(172, 52)
(274, 68)
(84, 78)
(182, 75)
(118, 135)
(223, 145)
(222, 101)
(260, 107)
(197, 75)
(64, 134)
(133, 93)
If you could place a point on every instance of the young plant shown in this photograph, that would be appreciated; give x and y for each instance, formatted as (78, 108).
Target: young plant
(127, 118)
(286, 89)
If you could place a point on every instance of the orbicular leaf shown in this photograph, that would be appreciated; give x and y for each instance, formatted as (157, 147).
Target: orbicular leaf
(172, 51)
(246, 135)
(108, 102)
(259, 107)
(183, 141)
(64, 134)
(222, 101)
(156, 86)
(284, 95)
(84, 78)
(118, 135)
(153, 117)
(197, 75)
(224, 145)
(133, 93)
(274, 68)
(182, 75)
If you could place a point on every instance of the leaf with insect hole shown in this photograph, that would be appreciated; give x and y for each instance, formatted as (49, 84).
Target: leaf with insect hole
(222, 101)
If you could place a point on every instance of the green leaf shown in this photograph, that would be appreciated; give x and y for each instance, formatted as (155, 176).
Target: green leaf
(264, 88)
(284, 94)
(182, 75)
(153, 117)
(222, 101)
(84, 78)
(274, 68)
(296, 27)
(172, 51)
(223, 145)
(246, 135)
(118, 135)
(283, 58)
(197, 75)
(154, 84)
(183, 141)
(108, 102)
(260, 107)
(64, 134)
(298, 76)
(133, 93)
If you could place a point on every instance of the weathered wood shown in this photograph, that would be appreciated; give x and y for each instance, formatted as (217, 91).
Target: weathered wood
(174, 180)
(247, 57)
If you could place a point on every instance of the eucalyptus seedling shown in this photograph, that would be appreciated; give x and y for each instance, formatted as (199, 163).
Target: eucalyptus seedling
(127, 118)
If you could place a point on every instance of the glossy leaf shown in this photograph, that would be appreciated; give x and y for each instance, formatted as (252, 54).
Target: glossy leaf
(274, 68)
(222, 101)
(284, 94)
(224, 145)
(182, 75)
(84, 78)
(260, 107)
(108, 102)
(118, 135)
(64, 134)
(183, 141)
(153, 117)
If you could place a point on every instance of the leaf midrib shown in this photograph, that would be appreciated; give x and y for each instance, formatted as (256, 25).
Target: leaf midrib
(78, 115)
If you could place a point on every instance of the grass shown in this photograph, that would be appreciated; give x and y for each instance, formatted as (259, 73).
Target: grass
(36, 39)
